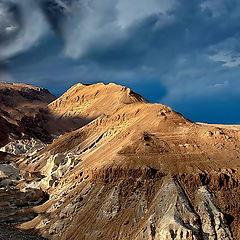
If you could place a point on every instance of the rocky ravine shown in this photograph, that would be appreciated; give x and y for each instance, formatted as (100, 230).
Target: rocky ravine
(133, 170)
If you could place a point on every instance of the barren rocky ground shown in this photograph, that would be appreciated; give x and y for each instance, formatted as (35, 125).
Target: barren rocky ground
(7, 233)
(113, 166)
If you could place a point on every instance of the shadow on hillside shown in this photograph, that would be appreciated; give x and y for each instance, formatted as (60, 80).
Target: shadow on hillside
(45, 125)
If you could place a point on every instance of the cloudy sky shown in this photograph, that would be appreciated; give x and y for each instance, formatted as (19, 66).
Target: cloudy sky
(183, 53)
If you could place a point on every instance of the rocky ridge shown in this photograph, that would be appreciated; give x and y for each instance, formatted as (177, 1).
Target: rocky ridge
(133, 170)
(19, 104)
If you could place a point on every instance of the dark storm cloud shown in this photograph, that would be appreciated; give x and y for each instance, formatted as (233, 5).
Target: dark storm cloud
(55, 12)
(4, 74)
(188, 50)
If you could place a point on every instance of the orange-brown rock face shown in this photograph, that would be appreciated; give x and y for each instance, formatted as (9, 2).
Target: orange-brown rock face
(133, 170)
(94, 99)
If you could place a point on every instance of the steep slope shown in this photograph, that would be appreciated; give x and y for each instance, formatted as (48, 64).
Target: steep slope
(135, 170)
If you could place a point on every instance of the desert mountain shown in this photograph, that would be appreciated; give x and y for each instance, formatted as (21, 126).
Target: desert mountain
(82, 104)
(125, 169)
(19, 103)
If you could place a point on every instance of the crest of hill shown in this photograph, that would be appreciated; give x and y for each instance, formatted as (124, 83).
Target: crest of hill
(93, 100)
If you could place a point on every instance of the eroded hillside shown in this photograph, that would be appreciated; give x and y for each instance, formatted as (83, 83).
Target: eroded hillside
(133, 170)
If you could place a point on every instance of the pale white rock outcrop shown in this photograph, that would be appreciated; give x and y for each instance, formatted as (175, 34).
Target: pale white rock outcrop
(213, 223)
(57, 165)
(23, 146)
(111, 205)
(171, 216)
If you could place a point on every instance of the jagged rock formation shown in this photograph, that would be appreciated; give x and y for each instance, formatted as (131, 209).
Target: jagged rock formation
(133, 170)
(23, 146)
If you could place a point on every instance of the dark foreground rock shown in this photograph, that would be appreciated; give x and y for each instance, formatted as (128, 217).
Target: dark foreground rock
(7, 233)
